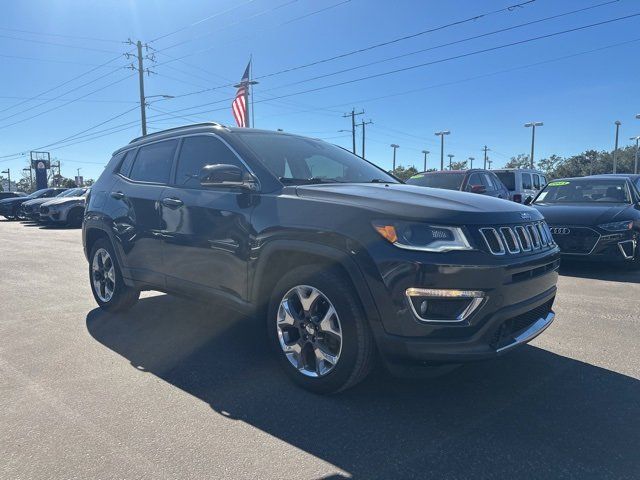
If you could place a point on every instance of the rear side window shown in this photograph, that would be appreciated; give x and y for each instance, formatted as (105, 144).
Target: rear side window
(543, 180)
(474, 179)
(536, 182)
(487, 181)
(198, 152)
(508, 178)
(526, 181)
(153, 162)
(127, 162)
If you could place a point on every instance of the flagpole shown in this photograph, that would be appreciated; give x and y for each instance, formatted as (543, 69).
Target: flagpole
(253, 118)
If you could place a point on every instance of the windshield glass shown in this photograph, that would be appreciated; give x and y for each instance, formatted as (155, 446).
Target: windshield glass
(508, 178)
(72, 192)
(585, 191)
(298, 160)
(38, 193)
(448, 181)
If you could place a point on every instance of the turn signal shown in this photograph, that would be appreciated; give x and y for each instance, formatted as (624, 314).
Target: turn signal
(388, 232)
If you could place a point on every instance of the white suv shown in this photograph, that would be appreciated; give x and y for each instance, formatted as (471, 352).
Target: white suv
(522, 183)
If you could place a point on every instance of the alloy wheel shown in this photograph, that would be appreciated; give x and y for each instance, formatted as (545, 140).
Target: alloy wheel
(309, 331)
(103, 274)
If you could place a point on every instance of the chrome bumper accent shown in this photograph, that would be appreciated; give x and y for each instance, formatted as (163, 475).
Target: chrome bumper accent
(530, 333)
(633, 249)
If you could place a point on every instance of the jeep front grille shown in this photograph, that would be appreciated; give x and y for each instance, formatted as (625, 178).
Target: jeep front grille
(530, 237)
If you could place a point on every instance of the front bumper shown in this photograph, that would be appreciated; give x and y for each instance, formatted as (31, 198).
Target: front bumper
(594, 245)
(517, 306)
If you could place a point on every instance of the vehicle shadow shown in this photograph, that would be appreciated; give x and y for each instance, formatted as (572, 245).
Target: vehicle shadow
(600, 271)
(533, 414)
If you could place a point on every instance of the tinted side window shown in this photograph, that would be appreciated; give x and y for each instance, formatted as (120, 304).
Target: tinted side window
(543, 180)
(153, 162)
(526, 181)
(127, 162)
(487, 181)
(474, 179)
(536, 182)
(196, 153)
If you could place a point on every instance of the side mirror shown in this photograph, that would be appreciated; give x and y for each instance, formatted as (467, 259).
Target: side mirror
(528, 200)
(223, 175)
(477, 188)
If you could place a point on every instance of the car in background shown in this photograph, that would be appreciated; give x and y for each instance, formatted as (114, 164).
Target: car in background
(65, 209)
(522, 183)
(5, 195)
(10, 207)
(593, 218)
(475, 180)
(634, 177)
(30, 210)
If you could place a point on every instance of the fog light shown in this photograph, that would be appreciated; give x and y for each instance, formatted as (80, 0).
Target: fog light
(439, 305)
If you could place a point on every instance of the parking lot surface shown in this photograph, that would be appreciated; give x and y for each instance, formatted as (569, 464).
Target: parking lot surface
(175, 389)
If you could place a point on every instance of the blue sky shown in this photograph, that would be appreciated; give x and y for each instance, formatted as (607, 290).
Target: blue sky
(483, 99)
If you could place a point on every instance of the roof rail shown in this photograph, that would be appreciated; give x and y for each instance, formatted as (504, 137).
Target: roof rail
(161, 132)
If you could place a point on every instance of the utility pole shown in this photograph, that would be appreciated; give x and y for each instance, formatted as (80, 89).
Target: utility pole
(441, 135)
(30, 177)
(78, 177)
(426, 152)
(8, 172)
(363, 124)
(533, 125)
(489, 161)
(141, 71)
(615, 148)
(395, 147)
(635, 165)
(56, 180)
(471, 159)
(353, 126)
(451, 155)
(485, 150)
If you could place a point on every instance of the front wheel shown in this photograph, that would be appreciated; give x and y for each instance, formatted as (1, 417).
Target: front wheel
(107, 284)
(319, 330)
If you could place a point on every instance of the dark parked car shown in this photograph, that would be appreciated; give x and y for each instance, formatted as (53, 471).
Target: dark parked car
(593, 218)
(30, 210)
(474, 181)
(10, 207)
(340, 259)
(4, 195)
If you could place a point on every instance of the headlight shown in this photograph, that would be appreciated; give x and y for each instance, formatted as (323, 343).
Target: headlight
(617, 226)
(419, 236)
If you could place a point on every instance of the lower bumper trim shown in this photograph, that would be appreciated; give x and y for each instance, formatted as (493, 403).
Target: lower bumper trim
(530, 333)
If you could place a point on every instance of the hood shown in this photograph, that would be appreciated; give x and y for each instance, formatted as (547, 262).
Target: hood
(581, 214)
(37, 201)
(64, 200)
(421, 203)
(14, 200)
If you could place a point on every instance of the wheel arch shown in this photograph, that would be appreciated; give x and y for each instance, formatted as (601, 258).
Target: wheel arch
(281, 256)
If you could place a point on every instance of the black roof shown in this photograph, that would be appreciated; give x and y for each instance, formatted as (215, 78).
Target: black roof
(632, 176)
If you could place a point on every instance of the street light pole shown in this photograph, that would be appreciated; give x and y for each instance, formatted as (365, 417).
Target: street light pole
(471, 159)
(426, 152)
(533, 125)
(441, 135)
(451, 155)
(615, 148)
(30, 178)
(635, 164)
(395, 147)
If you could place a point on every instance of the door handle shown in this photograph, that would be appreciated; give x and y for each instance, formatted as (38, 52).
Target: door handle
(172, 202)
(117, 195)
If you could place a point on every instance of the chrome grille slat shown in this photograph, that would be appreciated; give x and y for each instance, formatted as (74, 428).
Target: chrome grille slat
(515, 239)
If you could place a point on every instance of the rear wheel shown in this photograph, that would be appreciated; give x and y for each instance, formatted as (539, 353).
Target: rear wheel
(319, 330)
(107, 285)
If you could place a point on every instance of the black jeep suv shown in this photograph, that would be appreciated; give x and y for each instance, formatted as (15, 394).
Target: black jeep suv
(341, 259)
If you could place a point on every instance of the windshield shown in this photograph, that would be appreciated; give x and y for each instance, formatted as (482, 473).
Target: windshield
(72, 192)
(508, 178)
(585, 191)
(448, 181)
(38, 193)
(298, 160)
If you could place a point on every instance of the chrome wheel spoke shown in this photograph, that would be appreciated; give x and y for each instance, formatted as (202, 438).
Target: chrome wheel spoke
(104, 275)
(311, 340)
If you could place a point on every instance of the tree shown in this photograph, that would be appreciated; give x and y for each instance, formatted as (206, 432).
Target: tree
(548, 165)
(520, 161)
(67, 183)
(404, 173)
(462, 165)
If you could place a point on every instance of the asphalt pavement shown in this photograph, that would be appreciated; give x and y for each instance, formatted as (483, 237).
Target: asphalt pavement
(174, 389)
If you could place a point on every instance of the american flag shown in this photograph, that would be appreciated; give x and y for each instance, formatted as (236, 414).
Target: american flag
(239, 105)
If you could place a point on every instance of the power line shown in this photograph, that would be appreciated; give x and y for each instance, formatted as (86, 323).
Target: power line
(62, 84)
(421, 65)
(186, 27)
(51, 60)
(66, 103)
(66, 45)
(11, 97)
(76, 37)
(448, 44)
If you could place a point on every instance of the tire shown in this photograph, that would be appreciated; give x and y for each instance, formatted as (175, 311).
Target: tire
(300, 334)
(74, 217)
(114, 295)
